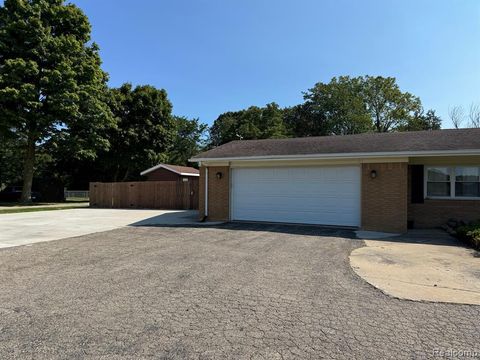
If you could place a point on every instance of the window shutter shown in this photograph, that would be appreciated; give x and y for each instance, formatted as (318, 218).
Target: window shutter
(417, 184)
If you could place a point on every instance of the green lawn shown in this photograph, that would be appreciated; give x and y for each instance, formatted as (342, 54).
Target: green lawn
(11, 208)
(39, 208)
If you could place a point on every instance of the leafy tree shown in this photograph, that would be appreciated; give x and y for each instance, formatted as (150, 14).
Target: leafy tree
(249, 125)
(252, 123)
(272, 124)
(422, 121)
(50, 77)
(10, 162)
(336, 108)
(301, 121)
(144, 132)
(188, 140)
(389, 107)
(223, 129)
(345, 105)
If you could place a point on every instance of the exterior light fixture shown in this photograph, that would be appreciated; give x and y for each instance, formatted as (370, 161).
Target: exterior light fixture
(219, 175)
(373, 174)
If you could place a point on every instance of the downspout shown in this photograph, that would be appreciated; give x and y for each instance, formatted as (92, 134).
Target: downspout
(205, 215)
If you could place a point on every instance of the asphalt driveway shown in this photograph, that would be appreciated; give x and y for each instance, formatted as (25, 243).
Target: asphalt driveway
(233, 291)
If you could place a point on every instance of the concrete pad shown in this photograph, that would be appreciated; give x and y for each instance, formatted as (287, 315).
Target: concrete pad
(431, 271)
(28, 228)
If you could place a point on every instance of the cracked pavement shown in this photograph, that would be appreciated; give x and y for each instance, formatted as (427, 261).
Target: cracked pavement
(234, 291)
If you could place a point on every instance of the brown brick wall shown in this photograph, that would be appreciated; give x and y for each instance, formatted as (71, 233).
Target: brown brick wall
(218, 193)
(435, 212)
(384, 199)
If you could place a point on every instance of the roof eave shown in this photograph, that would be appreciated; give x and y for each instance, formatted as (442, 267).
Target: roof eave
(188, 174)
(465, 152)
(162, 166)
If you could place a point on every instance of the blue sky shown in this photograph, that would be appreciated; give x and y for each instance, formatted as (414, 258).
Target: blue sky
(218, 55)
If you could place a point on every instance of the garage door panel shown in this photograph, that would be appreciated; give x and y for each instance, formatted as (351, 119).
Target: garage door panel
(300, 217)
(317, 195)
(327, 203)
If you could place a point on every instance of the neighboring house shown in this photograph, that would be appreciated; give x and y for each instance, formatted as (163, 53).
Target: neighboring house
(381, 182)
(166, 172)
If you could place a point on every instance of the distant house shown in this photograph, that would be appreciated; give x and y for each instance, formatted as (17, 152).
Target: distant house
(167, 172)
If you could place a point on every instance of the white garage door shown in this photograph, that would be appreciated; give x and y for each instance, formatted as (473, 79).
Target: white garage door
(307, 195)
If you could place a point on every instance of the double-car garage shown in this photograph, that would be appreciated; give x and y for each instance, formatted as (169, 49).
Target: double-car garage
(372, 181)
(325, 195)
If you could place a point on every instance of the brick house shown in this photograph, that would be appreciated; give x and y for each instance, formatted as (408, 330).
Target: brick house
(167, 172)
(381, 182)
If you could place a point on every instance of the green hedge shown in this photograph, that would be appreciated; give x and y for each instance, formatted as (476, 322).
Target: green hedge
(470, 234)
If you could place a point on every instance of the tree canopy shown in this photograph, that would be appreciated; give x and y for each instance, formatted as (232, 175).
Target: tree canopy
(50, 77)
(144, 130)
(189, 139)
(337, 107)
(345, 105)
(252, 123)
(390, 108)
(61, 122)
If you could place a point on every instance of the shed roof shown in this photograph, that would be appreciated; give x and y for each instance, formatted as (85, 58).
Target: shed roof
(180, 170)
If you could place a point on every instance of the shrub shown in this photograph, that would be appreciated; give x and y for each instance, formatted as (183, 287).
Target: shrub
(470, 234)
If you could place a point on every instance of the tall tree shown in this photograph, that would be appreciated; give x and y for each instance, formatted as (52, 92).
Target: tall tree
(389, 107)
(50, 75)
(10, 162)
(422, 121)
(144, 132)
(345, 105)
(337, 107)
(272, 124)
(188, 141)
(252, 123)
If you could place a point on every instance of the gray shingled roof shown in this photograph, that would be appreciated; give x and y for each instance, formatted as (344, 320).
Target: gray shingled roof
(437, 140)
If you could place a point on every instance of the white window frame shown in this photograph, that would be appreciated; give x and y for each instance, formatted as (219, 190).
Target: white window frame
(452, 173)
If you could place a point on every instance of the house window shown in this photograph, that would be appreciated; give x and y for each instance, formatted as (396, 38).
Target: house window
(438, 182)
(467, 182)
(453, 182)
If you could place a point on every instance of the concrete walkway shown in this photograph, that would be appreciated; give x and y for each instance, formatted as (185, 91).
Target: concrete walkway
(422, 265)
(27, 228)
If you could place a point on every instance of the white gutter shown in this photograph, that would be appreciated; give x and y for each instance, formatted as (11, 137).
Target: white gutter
(206, 192)
(346, 155)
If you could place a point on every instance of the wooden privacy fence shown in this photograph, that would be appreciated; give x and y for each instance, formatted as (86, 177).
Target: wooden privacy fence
(175, 195)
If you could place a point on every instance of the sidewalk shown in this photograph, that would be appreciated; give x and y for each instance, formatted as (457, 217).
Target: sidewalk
(421, 265)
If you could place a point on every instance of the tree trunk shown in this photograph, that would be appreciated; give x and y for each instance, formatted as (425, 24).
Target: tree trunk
(28, 171)
(116, 174)
(127, 174)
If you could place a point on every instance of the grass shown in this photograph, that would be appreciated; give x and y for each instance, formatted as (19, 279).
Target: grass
(39, 208)
(15, 207)
(66, 203)
(76, 200)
